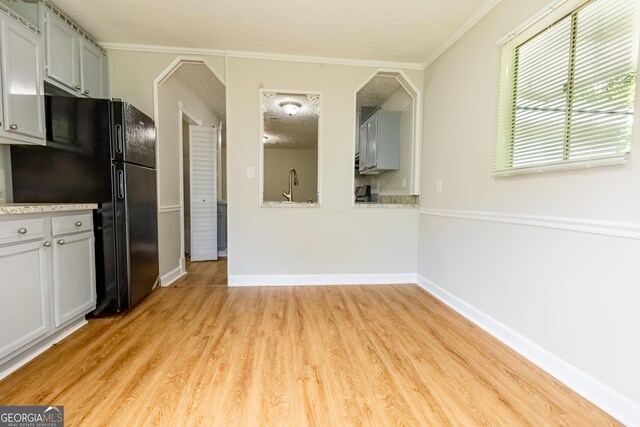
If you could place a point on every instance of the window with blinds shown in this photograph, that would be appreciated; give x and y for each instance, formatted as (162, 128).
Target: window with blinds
(567, 89)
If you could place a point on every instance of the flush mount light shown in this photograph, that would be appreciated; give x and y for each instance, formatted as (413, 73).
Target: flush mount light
(265, 138)
(290, 107)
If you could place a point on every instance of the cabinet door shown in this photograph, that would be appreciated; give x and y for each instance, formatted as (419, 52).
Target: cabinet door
(372, 141)
(74, 278)
(24, 294)
(362, 147)
(22, 82)
(91, 59)
(62, 45)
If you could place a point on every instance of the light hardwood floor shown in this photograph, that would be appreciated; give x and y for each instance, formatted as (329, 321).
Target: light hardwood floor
(202, 354)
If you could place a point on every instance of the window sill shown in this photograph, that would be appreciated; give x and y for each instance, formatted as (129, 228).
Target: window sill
(562, 166)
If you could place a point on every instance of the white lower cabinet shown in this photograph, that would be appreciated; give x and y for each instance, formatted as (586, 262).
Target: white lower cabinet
(24, 295)
(73, 270)
(47, 278)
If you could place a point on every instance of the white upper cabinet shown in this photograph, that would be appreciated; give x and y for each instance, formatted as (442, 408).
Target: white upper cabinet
(91, 60)
(62, 51)
(22, 83)
(74, 63)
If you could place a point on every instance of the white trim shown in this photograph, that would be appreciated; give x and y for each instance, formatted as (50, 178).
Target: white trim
(627, 230)
(222, 253)
(320, 279)
(470, 23)
(43, 346)
(169, 278)
(565, 165)
(261, 55)
(169, 208)
(603, 396)
(320, 113)
(162, 49)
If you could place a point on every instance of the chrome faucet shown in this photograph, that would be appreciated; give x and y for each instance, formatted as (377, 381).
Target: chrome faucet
(293, 180)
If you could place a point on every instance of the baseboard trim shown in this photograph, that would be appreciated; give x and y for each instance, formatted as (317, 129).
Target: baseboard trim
(172, 276)
(321, 279)
(222, 253)
(41, 347)
(617, 405)
(605, 228)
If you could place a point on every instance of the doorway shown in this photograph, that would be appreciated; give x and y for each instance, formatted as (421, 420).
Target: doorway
(190, 104)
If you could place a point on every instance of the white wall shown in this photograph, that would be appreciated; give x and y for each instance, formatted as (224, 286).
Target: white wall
(278, 161)
(399, 182)
(575, 294)
(335, 238)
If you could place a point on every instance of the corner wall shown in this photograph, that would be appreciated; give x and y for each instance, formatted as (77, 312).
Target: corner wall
(552, 256)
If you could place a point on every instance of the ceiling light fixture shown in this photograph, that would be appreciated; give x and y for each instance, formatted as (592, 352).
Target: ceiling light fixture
(265, 138)
(290, 107)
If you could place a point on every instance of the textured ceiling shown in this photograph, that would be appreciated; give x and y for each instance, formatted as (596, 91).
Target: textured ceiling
(407, 31)
(377, 91)
(299, 131)
(201, 81)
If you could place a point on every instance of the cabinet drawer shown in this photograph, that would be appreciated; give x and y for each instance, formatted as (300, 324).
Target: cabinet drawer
(20, 230)
(71, 224)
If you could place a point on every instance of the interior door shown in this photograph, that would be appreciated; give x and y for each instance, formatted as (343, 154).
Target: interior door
(204, 174)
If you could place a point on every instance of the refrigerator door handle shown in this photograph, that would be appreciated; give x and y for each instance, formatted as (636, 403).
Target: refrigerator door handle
(119, 139)
(120, 184)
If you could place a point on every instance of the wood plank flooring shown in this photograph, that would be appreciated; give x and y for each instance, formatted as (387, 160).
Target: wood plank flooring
(199, 353)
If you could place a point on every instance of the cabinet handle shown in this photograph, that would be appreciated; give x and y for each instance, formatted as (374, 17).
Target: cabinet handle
(13, 126)
(47, 244)
(86, 92)
(22, 230)
(61, 242)
(78, 87)
(78, 223)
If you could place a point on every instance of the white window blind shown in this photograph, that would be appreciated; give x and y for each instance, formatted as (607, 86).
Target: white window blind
(567, 89)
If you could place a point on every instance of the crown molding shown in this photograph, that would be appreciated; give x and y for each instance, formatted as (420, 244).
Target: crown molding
(475, 18)
(262, 55)
(162, 49)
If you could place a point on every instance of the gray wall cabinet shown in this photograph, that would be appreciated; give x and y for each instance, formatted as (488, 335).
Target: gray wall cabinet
(22, 84)
(379, 143)
(73, 62)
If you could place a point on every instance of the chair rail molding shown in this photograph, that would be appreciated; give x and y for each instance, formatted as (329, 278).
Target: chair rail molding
(627, 230)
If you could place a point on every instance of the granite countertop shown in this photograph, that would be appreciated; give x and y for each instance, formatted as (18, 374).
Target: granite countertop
(27, 208)
(290, 205)
(385, 205)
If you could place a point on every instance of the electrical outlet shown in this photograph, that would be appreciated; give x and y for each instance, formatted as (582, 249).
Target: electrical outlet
(251, 172)
(438, 186)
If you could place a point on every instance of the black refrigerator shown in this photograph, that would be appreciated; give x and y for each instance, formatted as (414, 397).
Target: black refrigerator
(100, 151)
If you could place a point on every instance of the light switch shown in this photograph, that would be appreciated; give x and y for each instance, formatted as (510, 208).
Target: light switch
(404, 183)
(438, 186)
(251, 172)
